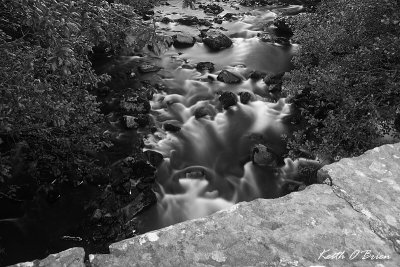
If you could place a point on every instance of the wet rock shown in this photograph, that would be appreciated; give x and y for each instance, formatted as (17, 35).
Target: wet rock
(263, 156)
(204, 22)
(282, 27)
(188, 66)
(129, 122)
(146, 68)
(245, 97)
(165, 20)
(212, 9)
(257, 75)
(273, 78)
(282, 41)
(142, 169)
(229, 16)
(171, 128)
(182, 40)
(188, 20)
(201, 66)
(228, 77)
(218, 20)
(200, 112)
(228, 99)
(276, 88)
(154, 157)
(216, 40)
(265, 37)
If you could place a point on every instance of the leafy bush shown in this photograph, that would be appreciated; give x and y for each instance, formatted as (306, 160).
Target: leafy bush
(49, 123)
(346, 78)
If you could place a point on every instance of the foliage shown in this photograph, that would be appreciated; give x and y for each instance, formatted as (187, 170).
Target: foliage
(346, 78)
(49, 123)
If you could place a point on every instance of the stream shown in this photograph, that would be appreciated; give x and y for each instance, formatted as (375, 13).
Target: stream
(209, 162)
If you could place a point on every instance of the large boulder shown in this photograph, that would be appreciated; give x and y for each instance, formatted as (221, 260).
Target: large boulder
(183, 40)
(216, 40)
(228, 77)
(313, 227)
(73, 257)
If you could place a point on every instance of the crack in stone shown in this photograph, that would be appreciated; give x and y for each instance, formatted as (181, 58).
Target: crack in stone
(381, 229)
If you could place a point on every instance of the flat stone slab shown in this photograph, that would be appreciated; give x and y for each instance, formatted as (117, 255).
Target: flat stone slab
(370, 183)
(373, 180)
(308, 228)
(73, 257)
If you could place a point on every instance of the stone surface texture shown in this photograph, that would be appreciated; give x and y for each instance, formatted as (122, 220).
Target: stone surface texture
(73, 257)
(353, 221)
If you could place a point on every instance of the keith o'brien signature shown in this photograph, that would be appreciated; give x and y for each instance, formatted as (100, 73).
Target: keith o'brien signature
(356, 254)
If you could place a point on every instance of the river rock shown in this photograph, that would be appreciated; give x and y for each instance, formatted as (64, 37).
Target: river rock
(154, 157)
(212, 9)
(257, 75)
(272, 78)
(216, 40)
(275, 88)
(146, 68)
(218, 20)
(201, 66)
(228, 99)
(171, 128)
(182, 40)
(245, 97)
(165, 20)
(228, 77)
(188, 20)
(200, 112)
(204, 22)
(263, 156)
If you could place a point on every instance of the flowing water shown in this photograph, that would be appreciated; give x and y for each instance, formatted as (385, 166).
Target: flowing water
(207, 165)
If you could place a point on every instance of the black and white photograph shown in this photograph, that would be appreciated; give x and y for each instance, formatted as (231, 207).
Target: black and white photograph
(183, 133)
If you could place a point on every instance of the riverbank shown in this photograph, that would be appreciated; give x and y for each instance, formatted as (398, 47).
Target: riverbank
(350, 222)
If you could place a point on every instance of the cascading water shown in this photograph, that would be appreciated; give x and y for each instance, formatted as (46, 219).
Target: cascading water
(207, 162)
